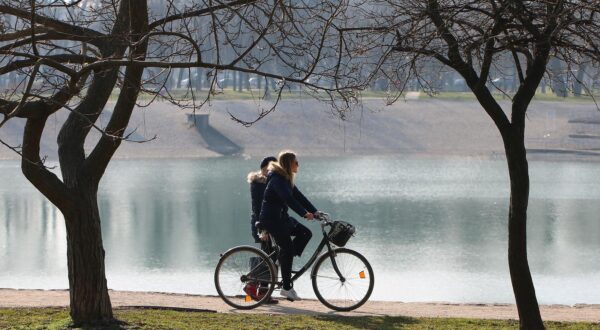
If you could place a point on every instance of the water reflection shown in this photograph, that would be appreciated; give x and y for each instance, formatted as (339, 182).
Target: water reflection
(433, 229)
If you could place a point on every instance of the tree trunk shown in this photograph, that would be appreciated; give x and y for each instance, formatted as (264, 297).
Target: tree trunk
(247, 81)
(578, 82)
(559, 84)
(267, 93)
(198, 79)
(180, 78)
(90, 303)
(234, 80)
(522, 283)
(543, 86)
(514, 82)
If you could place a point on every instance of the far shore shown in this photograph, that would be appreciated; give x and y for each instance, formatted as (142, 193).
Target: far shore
(429, 127)
(554, 155)
(14, 298)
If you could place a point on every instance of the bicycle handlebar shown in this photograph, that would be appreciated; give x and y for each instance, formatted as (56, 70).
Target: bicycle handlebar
(322, 216)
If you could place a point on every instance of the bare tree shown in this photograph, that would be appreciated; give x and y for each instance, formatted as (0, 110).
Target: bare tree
(76, 55)
(478, 39)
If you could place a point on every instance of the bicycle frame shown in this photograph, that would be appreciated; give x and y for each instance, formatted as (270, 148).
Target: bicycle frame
(324, 242)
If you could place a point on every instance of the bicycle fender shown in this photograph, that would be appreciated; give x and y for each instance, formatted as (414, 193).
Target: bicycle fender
(237, 247)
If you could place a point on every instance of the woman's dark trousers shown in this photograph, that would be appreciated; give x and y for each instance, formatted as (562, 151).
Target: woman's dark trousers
(288, 248)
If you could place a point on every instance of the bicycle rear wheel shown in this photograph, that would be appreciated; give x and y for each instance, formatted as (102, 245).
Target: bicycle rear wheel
(245, 277)
(350, 292)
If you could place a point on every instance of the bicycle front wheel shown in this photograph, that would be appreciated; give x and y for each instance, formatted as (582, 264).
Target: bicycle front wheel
(348, 291)
(245, 277)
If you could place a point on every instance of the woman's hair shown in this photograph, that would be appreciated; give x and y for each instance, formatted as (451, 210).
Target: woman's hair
(284, 165)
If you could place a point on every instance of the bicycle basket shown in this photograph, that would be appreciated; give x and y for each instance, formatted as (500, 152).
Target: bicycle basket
(340, 233)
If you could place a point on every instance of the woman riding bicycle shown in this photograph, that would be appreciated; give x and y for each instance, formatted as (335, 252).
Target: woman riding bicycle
(280, 194)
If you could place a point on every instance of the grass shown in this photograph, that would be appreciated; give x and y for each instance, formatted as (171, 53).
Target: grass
(58, 318)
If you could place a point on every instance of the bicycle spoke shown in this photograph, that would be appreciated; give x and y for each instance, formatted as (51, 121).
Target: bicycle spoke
(329, 277)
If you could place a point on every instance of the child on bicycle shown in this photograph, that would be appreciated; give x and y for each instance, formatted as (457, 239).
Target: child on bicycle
(258, 183)
(280, 194)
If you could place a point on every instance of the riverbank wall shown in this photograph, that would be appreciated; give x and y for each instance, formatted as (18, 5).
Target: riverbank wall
(426, 126)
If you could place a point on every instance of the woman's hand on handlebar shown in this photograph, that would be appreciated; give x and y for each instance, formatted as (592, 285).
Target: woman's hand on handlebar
(318, 215)
(321, 216)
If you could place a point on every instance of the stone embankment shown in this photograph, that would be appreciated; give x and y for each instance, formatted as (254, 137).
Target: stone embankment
(555, 130)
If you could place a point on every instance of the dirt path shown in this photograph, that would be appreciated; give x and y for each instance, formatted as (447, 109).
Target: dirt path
(60, 298)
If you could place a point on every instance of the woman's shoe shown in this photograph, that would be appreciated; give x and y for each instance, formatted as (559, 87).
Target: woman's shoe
(290, 294)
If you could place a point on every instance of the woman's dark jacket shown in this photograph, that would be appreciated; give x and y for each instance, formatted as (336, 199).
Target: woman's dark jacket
(257, 189)
(278, 196)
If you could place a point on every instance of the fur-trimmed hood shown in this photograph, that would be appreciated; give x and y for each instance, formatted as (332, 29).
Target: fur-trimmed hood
(256, 177)
(275, 167)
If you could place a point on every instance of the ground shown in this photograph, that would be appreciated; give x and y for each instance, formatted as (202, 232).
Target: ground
(60, 298)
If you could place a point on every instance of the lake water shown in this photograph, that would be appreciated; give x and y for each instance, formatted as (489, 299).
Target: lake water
(434, 229)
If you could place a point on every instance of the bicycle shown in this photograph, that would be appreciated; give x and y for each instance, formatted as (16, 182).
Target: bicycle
(342, 279)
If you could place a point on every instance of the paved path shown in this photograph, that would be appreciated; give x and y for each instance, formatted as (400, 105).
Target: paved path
(60, 298)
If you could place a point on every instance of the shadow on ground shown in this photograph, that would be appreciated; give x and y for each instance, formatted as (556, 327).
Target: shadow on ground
(369, 322)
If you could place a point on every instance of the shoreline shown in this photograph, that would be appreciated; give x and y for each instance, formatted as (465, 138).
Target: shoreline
(533, 154)
(38, 298)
